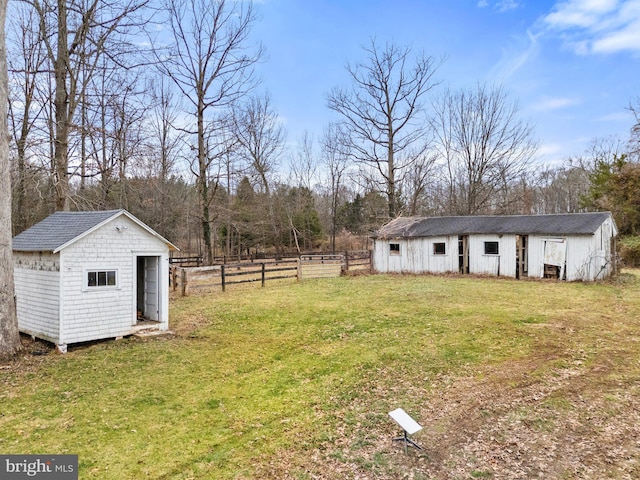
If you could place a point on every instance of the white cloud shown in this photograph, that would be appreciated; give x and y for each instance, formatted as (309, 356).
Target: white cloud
(506, 5)
(554, 103)
(501, 5)
(616, 117)
(555, 153)
(513, 60)
(580, 13)
(597, 26)
(627, 38)
(550, 149)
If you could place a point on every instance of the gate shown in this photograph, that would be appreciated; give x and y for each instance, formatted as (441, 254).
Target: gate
(321, 266)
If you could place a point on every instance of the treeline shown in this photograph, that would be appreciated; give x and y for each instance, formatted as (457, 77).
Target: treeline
(106, 114)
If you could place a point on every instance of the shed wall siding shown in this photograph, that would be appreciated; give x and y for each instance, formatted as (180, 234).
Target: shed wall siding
(102, 312)
(416, 256)
(588, 257)
(584, 258)
(502, 264)
(37, 288)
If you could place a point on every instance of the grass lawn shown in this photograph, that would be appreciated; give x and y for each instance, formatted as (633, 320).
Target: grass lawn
(510, 379)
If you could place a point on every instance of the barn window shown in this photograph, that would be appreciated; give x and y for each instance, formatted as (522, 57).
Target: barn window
(394, 248)
(491, 248)
(101, 278)
(439, 248)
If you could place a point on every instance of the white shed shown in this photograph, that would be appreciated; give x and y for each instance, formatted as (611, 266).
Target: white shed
(82, 276)
(573, 246)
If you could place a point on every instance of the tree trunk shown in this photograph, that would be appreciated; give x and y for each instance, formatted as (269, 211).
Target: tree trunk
(203, 183)
(391, 175)
(21, 196)
(61, 161)
(9, 336)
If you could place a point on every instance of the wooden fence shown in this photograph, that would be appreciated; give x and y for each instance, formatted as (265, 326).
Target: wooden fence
(190, 279)
(358, 261)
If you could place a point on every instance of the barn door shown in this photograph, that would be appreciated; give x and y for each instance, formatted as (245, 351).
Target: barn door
(463, 254)
(555, 254)
(522, 256)
(148, 289)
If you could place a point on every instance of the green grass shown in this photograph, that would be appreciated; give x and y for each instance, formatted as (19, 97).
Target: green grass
(261, 378)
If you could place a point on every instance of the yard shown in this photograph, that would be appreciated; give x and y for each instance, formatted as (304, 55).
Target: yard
(510, 379)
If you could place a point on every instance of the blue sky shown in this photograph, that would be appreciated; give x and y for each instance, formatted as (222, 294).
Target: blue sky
(573, 66)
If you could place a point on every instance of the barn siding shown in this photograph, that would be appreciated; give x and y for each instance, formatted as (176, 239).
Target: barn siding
(416, 255)
(503, 264)
(440, 263)
(37, 288)
(104, 312)
(588, 257)
(584, 258)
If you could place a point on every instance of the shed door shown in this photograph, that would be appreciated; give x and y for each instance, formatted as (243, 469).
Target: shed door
(148, 287)
(522, 256)
(555, 254)
(463, 254)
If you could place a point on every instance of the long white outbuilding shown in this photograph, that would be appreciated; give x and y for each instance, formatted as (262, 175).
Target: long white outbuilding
(572, 246)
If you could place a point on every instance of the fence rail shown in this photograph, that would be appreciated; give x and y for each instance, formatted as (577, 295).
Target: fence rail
(187, 261)
(263, 270)
(306, 266)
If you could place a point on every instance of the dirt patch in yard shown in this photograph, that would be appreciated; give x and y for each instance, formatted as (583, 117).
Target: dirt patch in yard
(554, 415)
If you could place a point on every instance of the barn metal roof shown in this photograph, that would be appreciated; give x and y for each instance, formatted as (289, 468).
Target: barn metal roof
(62, 228)
(560, 224)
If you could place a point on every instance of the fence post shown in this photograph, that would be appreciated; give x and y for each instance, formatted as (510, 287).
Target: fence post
(346, 260)
(299, 272)
(262, 275)
(175, 278)
(184, 282)
(222, 277)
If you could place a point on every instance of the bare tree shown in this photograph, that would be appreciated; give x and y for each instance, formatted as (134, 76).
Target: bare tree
(27, 60)
(560, 189)
(634, 138)
(76, 35)
(9, 336)
(163, 127)
(210, 63)
(302, 163)
(484, 144)
(382, 113)
(162, 149)
(113, 110)
(603, 150)
(336, 159)
(261, 139)
(418, 181)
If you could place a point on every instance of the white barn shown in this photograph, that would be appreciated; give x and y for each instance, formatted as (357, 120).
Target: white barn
(82, 276)
(573, 246)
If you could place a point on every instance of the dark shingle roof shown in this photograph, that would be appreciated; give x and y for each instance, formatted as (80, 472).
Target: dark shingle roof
(58, 229)
(561, 224)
